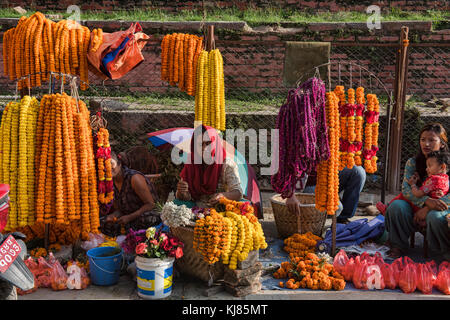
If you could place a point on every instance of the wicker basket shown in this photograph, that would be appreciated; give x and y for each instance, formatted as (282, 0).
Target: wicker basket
(192, 263)
(310, 219)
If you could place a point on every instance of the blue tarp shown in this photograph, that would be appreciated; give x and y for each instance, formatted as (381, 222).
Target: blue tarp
(354, 233)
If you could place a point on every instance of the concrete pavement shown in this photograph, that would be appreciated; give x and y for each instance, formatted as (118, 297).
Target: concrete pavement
(192, 289)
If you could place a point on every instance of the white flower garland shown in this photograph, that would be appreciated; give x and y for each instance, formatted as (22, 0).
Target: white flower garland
(176, 216)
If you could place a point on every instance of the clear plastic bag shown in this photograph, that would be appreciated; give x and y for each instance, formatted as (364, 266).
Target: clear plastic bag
(94, 241)
(58, 277)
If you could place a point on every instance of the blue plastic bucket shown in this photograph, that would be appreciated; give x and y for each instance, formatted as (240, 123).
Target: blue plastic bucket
(104, 271)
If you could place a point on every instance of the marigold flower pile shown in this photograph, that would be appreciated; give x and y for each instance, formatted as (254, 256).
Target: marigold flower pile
(179, 57)
(299, 245)
(230, 235)
(38, 46)
(309, 272)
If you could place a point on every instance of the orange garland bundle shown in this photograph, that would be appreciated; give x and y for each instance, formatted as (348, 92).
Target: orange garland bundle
(37, 46)
(359, 124)
(103, 155)
(351, 127)
(340, 93)
(66, 175)
(371, 131)
(327, 188)
(179, 56)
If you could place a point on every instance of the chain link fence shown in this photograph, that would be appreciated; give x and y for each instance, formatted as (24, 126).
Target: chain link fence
(140, 102)
(255, 91)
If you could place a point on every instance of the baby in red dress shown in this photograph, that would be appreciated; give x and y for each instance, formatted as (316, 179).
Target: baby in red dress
(436, 185)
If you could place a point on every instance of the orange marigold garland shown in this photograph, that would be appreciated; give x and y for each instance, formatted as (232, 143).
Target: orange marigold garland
(327, 187)
(351, 128)
(359, 125)
(179, 56)
(371, 133)
(103, 156)
(340, 93)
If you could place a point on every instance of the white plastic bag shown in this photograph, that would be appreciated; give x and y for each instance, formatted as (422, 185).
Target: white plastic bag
(94, 241)
(74, 279)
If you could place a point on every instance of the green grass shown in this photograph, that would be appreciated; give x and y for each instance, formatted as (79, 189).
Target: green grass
(182, 102)
(252, 16)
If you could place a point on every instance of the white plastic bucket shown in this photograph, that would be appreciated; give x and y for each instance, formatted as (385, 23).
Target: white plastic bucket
(154, 277)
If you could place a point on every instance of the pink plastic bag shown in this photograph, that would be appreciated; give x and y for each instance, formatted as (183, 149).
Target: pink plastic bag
(388, 276)
(43, 273)
(424, 278)
(348, 270)
(442, 282)
(339, 262)
(407, 280)
(58, 277)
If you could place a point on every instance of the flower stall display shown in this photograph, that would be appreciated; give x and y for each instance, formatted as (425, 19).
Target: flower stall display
(309, 272)
(176, 216)
(49, 163)
(37, 46)
(179, 57)
(303, 136)
(228, 235)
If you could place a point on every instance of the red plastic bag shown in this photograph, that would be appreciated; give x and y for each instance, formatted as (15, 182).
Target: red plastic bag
(43, 273)
(368, 275)
(442, 282)
(348, 270)
(407, 280)
(388, 276)
(378, 259)
(366, 257)
(360, 274)
(424, 278)
(128, 58)
(339, 262)
(58, 277)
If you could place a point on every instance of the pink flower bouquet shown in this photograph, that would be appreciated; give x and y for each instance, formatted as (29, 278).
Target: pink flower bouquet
(151, 243)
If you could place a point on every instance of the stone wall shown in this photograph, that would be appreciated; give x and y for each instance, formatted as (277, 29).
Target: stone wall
(254, 57)
(176, 5)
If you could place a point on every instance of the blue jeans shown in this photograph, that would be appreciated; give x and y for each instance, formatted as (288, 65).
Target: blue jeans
(400, 225)
(351, 181)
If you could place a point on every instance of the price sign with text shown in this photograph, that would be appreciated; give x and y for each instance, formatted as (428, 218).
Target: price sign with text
(9, 251)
